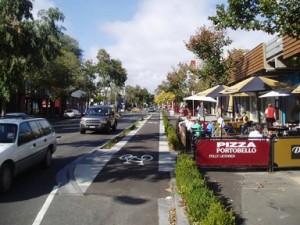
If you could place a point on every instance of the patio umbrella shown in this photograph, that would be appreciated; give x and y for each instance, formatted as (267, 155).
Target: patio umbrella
(275, 94)
(255, 85)
(296, 90)
(199, 98)
(213, 91)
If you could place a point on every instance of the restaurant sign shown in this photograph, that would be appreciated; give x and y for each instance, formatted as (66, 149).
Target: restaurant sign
(232, 152)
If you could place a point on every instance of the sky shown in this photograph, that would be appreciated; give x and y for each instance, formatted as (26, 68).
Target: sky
(147, 36)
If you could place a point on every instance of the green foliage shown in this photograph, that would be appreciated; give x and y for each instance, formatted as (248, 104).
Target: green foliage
(171, 134)
(26, 45)
(137, 96)
(271, 16)
(203, 207)
(208, 44)
(217, 215)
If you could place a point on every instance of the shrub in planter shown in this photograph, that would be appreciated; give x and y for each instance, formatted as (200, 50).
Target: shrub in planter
(217, 215)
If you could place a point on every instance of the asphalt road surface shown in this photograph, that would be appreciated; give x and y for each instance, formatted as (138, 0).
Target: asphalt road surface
(88, 185)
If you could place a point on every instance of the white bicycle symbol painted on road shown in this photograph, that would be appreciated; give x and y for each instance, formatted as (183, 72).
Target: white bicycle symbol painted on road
(131, 158)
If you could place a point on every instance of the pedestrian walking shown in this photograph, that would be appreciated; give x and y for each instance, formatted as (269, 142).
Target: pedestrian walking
(270, 115)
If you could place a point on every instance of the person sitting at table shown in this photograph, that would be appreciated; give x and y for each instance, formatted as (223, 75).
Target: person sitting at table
(228, 128)
(245, 124)
(257, 132)
(188, 123)
(197, 128)
(210, 129)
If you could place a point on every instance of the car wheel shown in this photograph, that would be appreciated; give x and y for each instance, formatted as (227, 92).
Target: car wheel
(46, 163)
(108, 129)
(6, 177)
(82, 131)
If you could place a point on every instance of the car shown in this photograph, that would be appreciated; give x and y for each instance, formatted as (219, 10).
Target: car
(16, 115)
(24, 142)
(72, 113)
(99, 118)
(152, 109)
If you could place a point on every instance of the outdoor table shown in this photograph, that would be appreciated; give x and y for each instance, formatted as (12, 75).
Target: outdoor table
(279, 129)
(236, 125)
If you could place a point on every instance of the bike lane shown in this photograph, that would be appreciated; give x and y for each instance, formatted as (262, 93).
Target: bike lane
(108, 187)
(132, 183)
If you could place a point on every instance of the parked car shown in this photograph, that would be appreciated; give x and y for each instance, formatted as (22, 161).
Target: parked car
(152, 109)
(72, 113)
(98, 118)
(16, 115)
(24, 142)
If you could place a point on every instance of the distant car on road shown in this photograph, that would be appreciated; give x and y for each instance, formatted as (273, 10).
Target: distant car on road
(97, 118)
(72, 113)
(152, 109)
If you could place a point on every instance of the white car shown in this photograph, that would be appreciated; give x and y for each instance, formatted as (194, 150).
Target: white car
(72, 113)
(24, 142)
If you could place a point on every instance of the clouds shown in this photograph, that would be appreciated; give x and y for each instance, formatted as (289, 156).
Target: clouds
(151, 40)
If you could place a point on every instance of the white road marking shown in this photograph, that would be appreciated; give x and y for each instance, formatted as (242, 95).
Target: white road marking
(45, 207)
(166, 159)
(166, 163)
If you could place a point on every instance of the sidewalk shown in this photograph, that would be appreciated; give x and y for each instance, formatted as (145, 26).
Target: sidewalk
(257, 197)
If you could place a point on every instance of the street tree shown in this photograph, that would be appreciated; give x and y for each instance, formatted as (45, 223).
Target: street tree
(110, 73)
(208, 45)
(272, 16)
(137, 96)
(26, 45)
(165, 98)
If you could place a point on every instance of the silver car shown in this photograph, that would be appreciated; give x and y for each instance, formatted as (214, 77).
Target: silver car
(99, 118)
(72, 113)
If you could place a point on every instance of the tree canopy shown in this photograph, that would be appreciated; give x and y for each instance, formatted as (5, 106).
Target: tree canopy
(137, 96)
(271, 16)
(26, 44)
(208, 45)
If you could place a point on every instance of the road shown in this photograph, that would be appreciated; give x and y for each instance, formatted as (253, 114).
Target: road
(31, 189)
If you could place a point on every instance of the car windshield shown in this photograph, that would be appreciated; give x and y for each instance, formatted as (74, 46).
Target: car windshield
(8, 133)
(98, 111)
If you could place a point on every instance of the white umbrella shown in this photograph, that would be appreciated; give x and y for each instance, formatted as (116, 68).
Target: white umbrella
(275, 94)
(296, 90)
(200, 98)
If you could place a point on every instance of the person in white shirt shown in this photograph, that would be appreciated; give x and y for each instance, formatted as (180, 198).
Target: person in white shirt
(223, 125)
(221, 122)
(188, 123)
(256, 133)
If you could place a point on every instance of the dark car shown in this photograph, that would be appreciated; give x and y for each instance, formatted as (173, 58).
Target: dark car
(99, 118)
